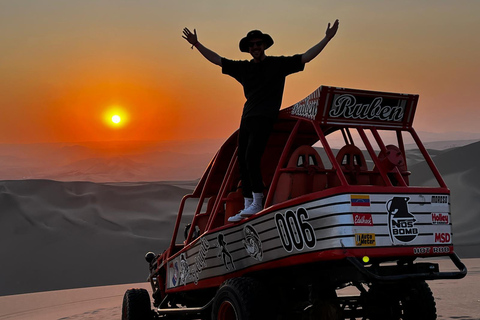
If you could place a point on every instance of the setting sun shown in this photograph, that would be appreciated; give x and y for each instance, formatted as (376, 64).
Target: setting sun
(116, 119)
(115, 116)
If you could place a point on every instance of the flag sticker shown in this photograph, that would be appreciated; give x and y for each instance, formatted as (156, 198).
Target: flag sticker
(360, 200)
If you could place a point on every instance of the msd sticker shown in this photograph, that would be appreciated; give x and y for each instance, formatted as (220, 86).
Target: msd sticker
(443, 237)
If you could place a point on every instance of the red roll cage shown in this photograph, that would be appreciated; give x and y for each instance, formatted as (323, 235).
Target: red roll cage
(325, 111)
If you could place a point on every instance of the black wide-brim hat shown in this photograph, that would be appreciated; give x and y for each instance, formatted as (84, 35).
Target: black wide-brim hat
(255, 34)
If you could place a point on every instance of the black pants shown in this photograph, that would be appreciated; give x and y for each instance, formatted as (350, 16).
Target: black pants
(252, 141)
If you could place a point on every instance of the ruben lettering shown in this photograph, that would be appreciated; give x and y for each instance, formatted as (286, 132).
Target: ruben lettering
(306, 108)
(346, 106)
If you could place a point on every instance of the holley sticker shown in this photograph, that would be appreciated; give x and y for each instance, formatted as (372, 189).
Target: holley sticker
(440, 218)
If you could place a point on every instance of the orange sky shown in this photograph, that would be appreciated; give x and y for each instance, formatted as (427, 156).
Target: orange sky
(63, 64)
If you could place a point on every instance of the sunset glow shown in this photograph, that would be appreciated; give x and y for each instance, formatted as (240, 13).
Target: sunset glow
(115, 116)
(67, 72)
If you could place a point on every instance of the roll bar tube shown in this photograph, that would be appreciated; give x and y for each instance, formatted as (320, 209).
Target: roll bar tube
(462, 272)
(177, 223)
(283, 159)
(330, 154)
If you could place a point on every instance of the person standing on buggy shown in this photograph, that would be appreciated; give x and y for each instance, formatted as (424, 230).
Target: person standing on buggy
(263, 81)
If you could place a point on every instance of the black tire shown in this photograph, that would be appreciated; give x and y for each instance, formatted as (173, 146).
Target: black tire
(324, 309)
(136, 305)
(241, 299)
(412, 300)
(382, 303)
(418, 302)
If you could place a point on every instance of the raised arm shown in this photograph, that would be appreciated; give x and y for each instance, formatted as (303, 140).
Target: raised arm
(207, 53)
(316, 49)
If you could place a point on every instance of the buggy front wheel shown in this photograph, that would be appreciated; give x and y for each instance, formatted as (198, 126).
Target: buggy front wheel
(136, 305)
(240, 299)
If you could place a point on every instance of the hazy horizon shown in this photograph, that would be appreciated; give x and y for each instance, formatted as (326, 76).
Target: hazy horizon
(426, 136)
(68, 66)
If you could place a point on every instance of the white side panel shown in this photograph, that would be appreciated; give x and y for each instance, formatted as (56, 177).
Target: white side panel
(342, 221)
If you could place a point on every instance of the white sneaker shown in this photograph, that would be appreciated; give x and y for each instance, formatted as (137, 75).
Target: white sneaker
(251, 210)
(247, 202)
(236, 218)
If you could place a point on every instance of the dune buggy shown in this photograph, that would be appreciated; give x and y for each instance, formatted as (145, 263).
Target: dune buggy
(333, 218)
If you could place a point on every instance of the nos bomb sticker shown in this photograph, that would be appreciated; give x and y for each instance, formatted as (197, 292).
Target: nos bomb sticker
(401, 223)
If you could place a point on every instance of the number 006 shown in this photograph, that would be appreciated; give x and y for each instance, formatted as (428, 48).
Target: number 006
(294, 230)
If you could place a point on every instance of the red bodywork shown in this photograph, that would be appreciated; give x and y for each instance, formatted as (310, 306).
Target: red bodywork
(290, 185)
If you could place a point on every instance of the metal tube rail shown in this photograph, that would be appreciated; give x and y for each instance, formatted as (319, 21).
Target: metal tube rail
(283, 159)
(425, 276)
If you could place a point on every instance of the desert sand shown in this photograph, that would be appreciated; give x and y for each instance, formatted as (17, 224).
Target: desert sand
(455, 299)
(86, 303)
(67, 248)
(59, 235)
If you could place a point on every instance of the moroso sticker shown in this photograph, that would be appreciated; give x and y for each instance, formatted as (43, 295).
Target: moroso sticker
(440, 218)
(360, 200)
(365, 239)
(362, 219)
(439, 199)
(252, 242)
(401, 222)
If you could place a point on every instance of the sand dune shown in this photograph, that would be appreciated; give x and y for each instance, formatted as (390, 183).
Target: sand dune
(460, 169)
(58, 235)
(132, 161)
(86, 303)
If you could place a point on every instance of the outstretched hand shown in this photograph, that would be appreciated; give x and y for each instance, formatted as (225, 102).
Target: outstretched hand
(189, 36)
(330, 33)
